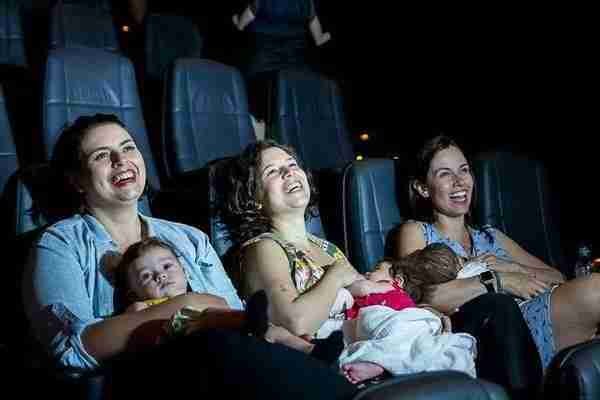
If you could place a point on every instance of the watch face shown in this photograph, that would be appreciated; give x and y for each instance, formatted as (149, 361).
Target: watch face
(486, 276)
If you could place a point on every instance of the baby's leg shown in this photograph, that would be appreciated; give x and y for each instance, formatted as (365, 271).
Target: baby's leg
(360, 371)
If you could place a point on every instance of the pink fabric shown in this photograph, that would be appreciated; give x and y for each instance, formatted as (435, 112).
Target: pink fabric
(396, 299)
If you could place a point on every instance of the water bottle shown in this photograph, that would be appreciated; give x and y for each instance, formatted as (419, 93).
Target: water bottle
(583, 265)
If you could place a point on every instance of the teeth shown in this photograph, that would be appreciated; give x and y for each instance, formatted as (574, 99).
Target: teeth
(293, 187)
(123, 175)
(462, 193)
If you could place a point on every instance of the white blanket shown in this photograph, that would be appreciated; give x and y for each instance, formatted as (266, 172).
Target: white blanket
(406, 341)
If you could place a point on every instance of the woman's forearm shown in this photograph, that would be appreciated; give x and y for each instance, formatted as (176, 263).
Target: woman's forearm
(307, 312)
(449, 296)
(114, 335)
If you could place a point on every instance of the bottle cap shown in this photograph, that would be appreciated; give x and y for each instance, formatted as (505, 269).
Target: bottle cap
(584, 251)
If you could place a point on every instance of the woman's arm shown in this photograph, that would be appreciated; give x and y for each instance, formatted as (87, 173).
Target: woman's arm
(530, 264)
(112, 336)
(267, 268)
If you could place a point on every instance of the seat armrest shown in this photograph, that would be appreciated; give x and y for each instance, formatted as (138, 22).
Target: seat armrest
(447, 385)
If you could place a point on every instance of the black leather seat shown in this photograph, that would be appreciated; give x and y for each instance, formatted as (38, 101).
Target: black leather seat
(307, 113)
(514, 196)
(169, 37)
(86, 81)
(371, 211)
(8, 152)
(12, 48)
(205, 119)
(574, 373)
(20, 84)
(446, 385)
(75, 25)
(206, 115)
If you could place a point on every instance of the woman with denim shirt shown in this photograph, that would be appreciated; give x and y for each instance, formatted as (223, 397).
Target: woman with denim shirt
(68, 288)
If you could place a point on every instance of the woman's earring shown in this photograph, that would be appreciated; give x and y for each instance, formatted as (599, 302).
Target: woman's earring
(259, 206)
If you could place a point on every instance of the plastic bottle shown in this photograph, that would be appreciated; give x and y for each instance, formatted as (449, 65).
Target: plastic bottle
(583, 264)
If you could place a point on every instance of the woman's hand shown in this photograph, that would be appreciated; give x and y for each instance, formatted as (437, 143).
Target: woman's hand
(344, 272)
(137, 306)
(202, 301)
(366, 287)
(522, 284)
(498, 264)
(547, 275)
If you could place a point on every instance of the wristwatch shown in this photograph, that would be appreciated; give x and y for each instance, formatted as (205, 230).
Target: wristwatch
(487, 278)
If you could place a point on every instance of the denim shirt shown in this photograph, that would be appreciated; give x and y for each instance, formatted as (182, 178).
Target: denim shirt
(68, 283)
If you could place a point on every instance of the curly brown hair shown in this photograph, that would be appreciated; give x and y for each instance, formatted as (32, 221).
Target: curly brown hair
(432, 265)
(240, 211)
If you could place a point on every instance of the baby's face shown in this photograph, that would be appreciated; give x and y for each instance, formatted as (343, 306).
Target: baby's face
(156, 274)
(381, 273)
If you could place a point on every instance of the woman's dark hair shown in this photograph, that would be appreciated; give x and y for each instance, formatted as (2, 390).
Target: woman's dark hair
(241, 211)
(66, 161)
(134, 252)
(421, 207)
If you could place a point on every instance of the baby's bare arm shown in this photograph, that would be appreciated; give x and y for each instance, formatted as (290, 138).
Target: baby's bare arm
(365, 287)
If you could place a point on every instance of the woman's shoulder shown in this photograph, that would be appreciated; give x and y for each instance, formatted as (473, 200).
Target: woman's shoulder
(270, 246)
(411, 235)
(67, 229)
(412, 228)
(264, 239)
(162, 227)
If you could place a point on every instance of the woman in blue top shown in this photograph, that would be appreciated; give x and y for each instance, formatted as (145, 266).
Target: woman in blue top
(69, 289)
(441, 194)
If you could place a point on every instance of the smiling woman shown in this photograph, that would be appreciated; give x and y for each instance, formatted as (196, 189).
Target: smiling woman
(442, 192)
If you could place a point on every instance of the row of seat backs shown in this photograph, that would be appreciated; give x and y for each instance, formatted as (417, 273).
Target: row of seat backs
(207, 117)
(512, 195)
(75, 24)
(12, 41)
(81, 25)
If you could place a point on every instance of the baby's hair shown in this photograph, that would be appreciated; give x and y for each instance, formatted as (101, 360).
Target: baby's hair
(134, 252)
(434, 264)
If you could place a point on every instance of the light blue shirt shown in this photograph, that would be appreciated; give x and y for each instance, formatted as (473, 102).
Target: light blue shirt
(67, 285)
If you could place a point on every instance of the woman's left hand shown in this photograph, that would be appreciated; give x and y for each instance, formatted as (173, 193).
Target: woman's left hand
(546, 275)
(498, 264)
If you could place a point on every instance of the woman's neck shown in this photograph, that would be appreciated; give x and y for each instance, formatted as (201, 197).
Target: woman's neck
(453, 227)
(292, 230)
(123, 225)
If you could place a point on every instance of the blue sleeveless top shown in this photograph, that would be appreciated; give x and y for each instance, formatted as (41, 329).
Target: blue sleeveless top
(483, 241)
(535, 311)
